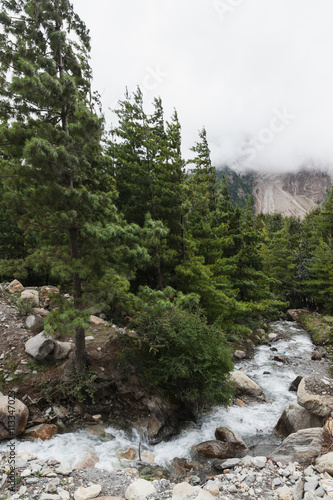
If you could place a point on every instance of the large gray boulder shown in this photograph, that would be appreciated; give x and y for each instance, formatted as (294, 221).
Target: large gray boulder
(301, 446)
(295, 418)
(62, 349)
(316, 395)
(245, 386)
(13, 417)
(40, 346)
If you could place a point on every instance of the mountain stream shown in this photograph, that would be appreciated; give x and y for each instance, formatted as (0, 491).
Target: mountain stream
(254, 422)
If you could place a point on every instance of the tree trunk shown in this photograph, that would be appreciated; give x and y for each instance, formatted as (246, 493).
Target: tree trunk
(80, 343)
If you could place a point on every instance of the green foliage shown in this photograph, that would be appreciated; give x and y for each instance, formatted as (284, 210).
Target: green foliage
(65, 318)
(24, 306)
(177, 352)
(82, 386)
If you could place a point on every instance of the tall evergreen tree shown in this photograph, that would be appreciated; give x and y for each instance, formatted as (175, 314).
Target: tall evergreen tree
(53, 163)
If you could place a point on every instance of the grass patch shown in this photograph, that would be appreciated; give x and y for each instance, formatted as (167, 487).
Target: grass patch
(320, 327)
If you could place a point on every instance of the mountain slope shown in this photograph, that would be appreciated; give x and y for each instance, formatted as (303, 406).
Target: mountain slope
(287, 193)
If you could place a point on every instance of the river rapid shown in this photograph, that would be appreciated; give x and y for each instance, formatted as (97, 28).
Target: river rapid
(254, 423)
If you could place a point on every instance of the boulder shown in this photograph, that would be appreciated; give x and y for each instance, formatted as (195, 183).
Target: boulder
(41, 431)
(226, 435)
(150, 428)
(214, 449)
(140, 490)
(13, 417)
(272, 337)
(86, 493)
(30, 295)
(40, 346)
(130, 454)
(95, 320)
(45, 294)
(295, 418)
(295, 383)
(316, 395)
(62, 349)
(294, 314)
(15, 287)
(301, 446)
(239, 354)
(325, 463)
(244, 385)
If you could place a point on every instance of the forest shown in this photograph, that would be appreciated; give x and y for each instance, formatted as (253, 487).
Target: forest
(118, 219)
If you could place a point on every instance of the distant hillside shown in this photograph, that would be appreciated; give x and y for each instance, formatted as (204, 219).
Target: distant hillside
(240, 185)
(294, 193)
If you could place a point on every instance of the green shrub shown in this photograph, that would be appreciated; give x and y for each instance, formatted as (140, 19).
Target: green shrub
(177, 352)
(25, 306)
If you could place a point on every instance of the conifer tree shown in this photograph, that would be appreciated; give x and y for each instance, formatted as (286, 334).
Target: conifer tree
(51, 136)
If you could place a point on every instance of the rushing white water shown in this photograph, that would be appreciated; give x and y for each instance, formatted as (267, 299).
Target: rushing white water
(255, 423)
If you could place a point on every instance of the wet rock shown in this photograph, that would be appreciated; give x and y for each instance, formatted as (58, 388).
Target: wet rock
(39, 347)
(244, 385)
(295, 383)
(15, 287)
(272, 337)
(86, 493)
(301, 446)
(140, 490)
(130, 454)
(319, 354)
(316, 395)
(30, 295)
(295, 418)
(13, 417)
(214, 449)
(41, 431)
(226, 435)
(88, 459)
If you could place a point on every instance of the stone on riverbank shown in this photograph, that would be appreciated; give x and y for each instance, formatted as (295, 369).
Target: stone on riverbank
(300, 446)
(244, 385)
(87, 493)
(140, 490)
(226, 435)
(41, 431)
(214, 449)
(13, 417)
(295, 418)
(316, 395)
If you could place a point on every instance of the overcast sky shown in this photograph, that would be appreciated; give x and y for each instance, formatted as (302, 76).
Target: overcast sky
(258, 74)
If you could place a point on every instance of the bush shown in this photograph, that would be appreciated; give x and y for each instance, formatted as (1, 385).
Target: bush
(177, 352)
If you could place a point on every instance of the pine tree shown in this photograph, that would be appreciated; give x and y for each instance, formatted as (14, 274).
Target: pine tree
(51, 137)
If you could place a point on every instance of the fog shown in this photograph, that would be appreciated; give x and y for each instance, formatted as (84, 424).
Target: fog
(258, 74)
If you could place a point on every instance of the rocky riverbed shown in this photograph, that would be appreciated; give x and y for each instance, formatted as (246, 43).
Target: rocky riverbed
(249, 477)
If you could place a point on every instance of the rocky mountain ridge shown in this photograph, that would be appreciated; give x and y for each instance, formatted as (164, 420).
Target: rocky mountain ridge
(289, 193)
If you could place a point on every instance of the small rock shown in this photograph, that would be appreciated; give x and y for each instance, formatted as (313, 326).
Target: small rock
(15, 286)
(95, 320)
(64, 468)
(139, 490)
(87, 493)
(30, 321)
(239, 354)
(285, 493)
